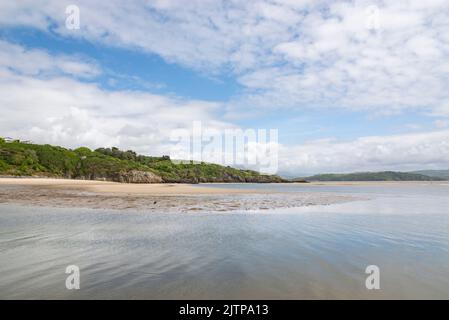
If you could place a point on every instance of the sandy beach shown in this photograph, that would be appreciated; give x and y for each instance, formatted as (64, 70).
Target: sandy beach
(151, 197)
(119, 188)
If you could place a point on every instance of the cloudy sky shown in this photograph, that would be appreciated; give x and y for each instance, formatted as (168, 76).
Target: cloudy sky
(350, 85)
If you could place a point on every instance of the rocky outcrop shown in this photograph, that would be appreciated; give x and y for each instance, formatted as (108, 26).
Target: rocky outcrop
(265, 179)
(229, 178)
(136, 176)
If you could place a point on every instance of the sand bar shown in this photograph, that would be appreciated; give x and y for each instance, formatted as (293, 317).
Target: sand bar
(121, 188)
(165, 198)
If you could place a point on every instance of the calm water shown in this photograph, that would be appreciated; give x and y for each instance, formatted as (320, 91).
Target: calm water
(312, 252)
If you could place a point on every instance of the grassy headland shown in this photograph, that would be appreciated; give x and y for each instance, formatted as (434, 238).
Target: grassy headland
(111, 164)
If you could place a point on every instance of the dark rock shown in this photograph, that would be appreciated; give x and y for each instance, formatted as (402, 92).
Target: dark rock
(136, 176)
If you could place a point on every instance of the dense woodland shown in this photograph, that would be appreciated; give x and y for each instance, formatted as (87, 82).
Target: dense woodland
(27, 159)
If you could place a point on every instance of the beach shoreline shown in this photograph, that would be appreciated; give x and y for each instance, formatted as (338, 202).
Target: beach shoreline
(152, 197)
(118, 188)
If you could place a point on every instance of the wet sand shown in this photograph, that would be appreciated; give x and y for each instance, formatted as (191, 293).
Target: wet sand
(312, 252)
(151, 197)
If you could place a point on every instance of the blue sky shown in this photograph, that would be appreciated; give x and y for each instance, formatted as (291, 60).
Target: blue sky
(127, 69)
(350, 85)
(130, 70)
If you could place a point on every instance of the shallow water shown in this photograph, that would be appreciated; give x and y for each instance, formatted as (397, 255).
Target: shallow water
(310, 252)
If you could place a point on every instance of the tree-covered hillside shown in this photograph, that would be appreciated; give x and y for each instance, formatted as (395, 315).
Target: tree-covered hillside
(444, 174)
(25, 159)
(373, 176)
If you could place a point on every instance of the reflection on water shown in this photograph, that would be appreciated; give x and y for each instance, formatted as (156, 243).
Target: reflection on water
(313, 252)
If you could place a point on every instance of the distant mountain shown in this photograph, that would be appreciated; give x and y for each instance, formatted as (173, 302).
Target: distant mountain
(372, 176)
(444, 174)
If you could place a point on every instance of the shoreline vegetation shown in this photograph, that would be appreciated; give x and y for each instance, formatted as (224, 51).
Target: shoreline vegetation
(111, 164)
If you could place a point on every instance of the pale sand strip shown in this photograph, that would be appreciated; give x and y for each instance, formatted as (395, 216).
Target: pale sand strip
(121, 188)
(158, 198)
(174, 188)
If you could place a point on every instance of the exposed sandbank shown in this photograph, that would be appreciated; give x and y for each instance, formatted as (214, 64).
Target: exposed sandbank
(152, 197)
(120, 188)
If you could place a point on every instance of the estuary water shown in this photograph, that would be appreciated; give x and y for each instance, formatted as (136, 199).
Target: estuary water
(314, 252)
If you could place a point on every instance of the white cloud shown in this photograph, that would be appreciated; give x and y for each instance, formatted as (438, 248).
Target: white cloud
(40, 63)
(382, 56)
(441, 123)
(336, 61)
(63, 110)
(398, 152)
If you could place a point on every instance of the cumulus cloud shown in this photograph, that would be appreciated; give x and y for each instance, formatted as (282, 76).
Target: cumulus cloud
(40, 63)
(400, 63)
(383, 56)
(62, 109)
(427, 150)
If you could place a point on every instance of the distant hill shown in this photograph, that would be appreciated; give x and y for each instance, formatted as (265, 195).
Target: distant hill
(372, 176)
(111, 164)
(444, 174)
